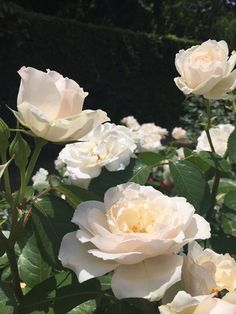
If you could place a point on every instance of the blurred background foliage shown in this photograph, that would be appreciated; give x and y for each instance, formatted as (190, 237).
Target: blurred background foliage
(121, 52)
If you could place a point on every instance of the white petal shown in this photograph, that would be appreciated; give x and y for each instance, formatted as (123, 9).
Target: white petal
(148, 279)
(38, 88)
(226, 85)
(199, 228)
(74, 255)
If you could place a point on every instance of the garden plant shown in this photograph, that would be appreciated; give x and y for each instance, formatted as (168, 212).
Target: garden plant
(135, 219)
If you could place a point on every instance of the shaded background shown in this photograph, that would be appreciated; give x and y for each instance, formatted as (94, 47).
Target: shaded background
(121, 52)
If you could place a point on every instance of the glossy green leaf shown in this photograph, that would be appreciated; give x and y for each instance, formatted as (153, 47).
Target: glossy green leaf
(232, 147)
(228, 214)
(190, 183)
(75, 195)
(135, 172)
(59, 294)
(51, 217)
(215, 161)
(7, 299)
(141, 173)
(87, 307)
(151, 159)
(32, 267)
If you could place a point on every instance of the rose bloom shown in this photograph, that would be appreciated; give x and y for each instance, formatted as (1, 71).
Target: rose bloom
(205, 271)
(184, 303)
(40, 178)
(130, 122)
(51, 106)
(134, 232)
(206, 70)
(148, 137)
(219, 136)
(180, 135)
(108, 145)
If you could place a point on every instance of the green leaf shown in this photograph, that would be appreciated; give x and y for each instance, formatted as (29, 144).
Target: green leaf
(51, 217)
(7, 299)
(232, 147)
(59, 294)
(75, 195)
(187, 152)
(191, 184)
(32, 267)
(141, 173)
(228, 214)
(151, 159)
(135, 172)
(215, 161)
(87, 307)
(226, 185)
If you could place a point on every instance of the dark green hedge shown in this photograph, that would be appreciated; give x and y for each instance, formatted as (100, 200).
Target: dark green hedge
(123, 71)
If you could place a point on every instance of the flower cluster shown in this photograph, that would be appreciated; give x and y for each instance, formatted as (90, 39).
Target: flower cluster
(156, 195)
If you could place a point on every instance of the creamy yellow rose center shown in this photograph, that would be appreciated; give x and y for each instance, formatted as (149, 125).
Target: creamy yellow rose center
(137, 216)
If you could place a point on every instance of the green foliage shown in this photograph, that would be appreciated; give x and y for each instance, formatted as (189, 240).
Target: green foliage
(190, 183)
(51, 218)
(232, 147)
(111, 64)
(195, 113)
(7, 298)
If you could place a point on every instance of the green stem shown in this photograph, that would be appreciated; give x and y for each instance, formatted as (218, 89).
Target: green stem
(39, 143)
(209, 126)
(210, 212)
(10, 251)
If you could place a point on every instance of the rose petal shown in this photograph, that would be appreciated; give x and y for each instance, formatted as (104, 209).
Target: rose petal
(74, 255)
(148, 279)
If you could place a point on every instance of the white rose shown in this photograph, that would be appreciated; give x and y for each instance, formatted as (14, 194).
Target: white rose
(51, 106)
(130, 122)
(40, 178)
(180, 135)
(205, 271)
(184, 303)
(107, 145)
(206, 70)
(219, 136)
(148, 137)
(134, 232)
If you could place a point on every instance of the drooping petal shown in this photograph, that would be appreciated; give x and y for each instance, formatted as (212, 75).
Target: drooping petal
(148, 279)
(74, 255)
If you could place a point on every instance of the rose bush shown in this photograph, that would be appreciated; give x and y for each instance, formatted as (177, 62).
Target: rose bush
(184, 303)
(135, 233)
(206, 70)
(51, 106)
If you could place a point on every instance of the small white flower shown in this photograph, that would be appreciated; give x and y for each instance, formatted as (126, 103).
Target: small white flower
(148, 137)
(180, 135)
(109, 145)
(219, 136)
(130, 122)
(40, 178)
